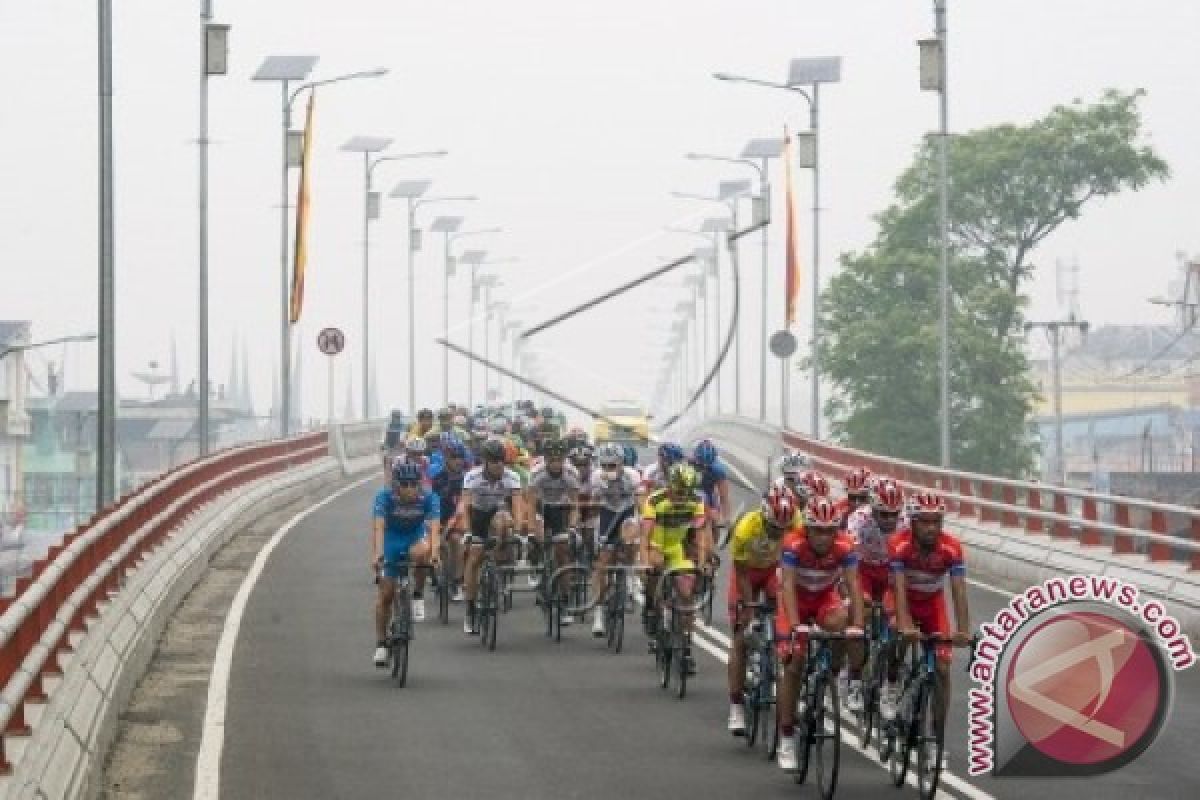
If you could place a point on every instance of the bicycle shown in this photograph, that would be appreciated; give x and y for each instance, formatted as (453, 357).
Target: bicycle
(672, 641)
(758, 688)
(488, 601)
(819, 725)
(615, 602)
(400, 626)
(915, 726)
(445, 581)
(879, 640)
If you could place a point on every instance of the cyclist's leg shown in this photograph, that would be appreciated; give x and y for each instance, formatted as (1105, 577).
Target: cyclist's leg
(873, 581)
(420, 554)
(608, 538)
(383, 606)
(793, 656)
(480, 522)
(931, 619)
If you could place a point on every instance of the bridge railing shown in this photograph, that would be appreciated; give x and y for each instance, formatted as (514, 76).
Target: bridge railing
(1127, 525)
(70, 584)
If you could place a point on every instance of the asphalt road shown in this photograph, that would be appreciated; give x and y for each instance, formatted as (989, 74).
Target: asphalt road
(309, 716)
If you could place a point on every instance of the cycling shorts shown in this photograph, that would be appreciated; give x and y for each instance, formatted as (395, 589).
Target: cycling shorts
(812, 607)
(876, 584)
(608, 527)
(396, 548)
(480, 525)
(929, 616)
(673, 549)
(763, 580)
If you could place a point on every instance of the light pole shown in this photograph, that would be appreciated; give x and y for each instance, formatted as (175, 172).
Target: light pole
(487, 283)
(933, 78)
(214, 48)
(448, 273)
(286, 70)
(1054, 330)
(765, 150)
(475, 259)
(367, 145)
(106, 372)
(810, 73)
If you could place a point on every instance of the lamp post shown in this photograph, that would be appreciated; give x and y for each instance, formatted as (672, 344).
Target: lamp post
(287, 70)
(448, 273)
(765, 150)
(810, 73)
(367, 145)
(215, 51)
(487, 283)
(412, 192)
(934, 79)
(106, 313)
(475, 259)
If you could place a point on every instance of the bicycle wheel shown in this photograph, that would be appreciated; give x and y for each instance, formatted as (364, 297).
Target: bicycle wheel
(929, 740)
(753, 711)
(868, 718)
(901, 747)
(827, 738)
(772, 731)
(487, 607)
(399, 639)
(803, 734)
(663, 655)
(681, 663)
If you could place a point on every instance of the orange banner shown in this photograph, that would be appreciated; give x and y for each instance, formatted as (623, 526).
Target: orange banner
(303, 202)
(792, 256)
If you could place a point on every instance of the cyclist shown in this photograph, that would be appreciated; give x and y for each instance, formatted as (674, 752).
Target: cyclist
(654, 477)
(423, 425)
(791, 467)
(714, 482)
(406, 523)
(812, 561)
(614, 488)
(858, 490)
(490, 501)
(553, 500)
(581, 458)
(870, 527)
(416, 453)
(447, 484)
(921, 557)
(669, 518)
(756, 544)
(814, 484)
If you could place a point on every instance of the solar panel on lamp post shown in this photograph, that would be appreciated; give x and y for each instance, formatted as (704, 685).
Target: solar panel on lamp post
(805, 76)
(287, 70)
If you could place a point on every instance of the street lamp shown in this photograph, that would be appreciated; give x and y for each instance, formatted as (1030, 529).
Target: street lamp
(765, 150)
(475, 259)
(287, 70)
(933, 78)
(367, 145)
(488, 282)
(412, 192)
(448, 273)
(20, 348)
(810, 73)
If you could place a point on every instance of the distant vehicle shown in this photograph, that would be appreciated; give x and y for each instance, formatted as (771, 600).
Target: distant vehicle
(630, 423)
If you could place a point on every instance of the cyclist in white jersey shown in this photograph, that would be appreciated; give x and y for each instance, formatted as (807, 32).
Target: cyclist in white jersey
(614, 488)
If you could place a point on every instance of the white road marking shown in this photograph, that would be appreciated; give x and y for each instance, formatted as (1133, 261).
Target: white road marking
(212, 739)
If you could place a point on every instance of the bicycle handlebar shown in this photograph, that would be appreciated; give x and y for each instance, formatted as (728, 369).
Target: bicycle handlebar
(818, 633)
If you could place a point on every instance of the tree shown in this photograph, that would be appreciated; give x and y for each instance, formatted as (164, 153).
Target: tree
(1010, 188)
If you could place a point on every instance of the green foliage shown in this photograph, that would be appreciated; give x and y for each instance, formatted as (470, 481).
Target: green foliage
(1010, 188)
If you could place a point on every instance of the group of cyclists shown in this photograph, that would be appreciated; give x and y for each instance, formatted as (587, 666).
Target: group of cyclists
(478, 477)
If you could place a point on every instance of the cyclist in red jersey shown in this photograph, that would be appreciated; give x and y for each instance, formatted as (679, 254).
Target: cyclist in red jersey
(812, 565)
(921, 557)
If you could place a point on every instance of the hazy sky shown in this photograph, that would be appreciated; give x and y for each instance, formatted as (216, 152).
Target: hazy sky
(570, 121)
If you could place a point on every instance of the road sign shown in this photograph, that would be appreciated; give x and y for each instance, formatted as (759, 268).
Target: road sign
(783, 343)
(332, 341)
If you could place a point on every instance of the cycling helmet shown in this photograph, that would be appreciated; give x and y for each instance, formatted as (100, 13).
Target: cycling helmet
(581, 454)
(821, 513)
(548, 413)
(926, 504)
(856, 481)
(406, 473)
(631, 456)
(815, 484)
(415, 444)
(433, 440)
(887, 497)
(425, 413)
(779, 507)
(705, 453)
(670, 453)
(492, 450)
(554, 448)
(682, 478)
(793, 463)
(610, 454)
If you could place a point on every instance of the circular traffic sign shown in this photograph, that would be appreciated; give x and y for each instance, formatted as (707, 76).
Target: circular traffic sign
(331, 341)
(783, 343)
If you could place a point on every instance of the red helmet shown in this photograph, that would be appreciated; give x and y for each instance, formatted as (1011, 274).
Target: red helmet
(779, 506)
(815, 484)
(887, 497)
(821, 513)
(926, 503)
(857, 480)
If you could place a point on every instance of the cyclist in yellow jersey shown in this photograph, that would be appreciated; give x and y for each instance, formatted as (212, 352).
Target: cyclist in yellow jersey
(669, 516)
(756, 543)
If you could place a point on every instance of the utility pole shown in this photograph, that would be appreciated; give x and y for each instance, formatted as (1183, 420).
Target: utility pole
(1054, 330)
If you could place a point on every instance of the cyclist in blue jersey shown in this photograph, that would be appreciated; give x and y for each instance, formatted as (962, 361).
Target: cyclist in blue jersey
(448, 486)
(407, 521)
(714, 482)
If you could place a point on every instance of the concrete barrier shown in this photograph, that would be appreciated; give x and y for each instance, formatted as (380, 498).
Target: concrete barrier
(72, 731)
